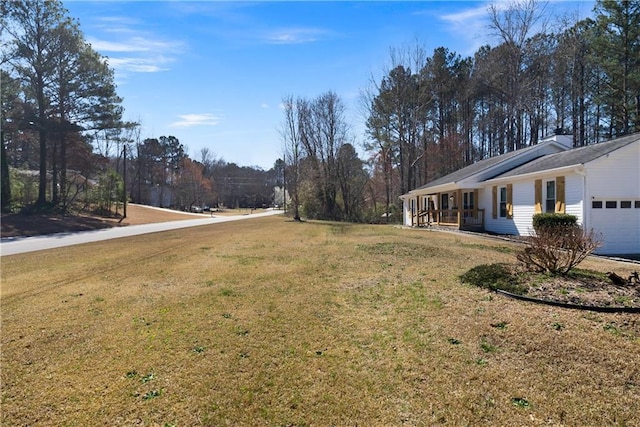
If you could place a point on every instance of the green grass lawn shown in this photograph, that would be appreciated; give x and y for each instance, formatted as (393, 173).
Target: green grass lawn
(276, 323)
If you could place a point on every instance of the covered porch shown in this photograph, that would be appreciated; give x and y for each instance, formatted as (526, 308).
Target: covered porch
(456, 209)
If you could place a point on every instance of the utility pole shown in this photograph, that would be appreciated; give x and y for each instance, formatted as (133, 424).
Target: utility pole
(124, 181)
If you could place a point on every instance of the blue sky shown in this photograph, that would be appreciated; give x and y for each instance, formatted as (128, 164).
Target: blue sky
(213, 74)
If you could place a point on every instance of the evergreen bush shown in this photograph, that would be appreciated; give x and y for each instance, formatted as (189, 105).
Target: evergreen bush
(543, 220)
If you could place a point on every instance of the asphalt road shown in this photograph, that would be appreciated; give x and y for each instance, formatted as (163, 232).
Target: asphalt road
(18, 245)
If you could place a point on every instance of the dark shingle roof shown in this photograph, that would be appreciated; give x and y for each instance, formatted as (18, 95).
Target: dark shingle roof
(475, 168)
(576, 156)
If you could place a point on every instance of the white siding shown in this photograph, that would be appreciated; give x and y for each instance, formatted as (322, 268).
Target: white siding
(497, 225)
(615, 177)
(523, 207)
(524, 204)
(485, 202)
(574, 196)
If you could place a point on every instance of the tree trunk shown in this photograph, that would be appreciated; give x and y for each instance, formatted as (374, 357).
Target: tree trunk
(5, 177)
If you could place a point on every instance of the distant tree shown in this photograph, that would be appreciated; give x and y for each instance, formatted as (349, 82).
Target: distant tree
(69, 85)
(35, 30)
(242, 186)
(513, 25)
(149, 169)
(279, 175)
(292, 147)
(173, 153)
(10, 109)
(449, 114)
(192, 188)
(393, 126)
(208, 161)
(353, 180)
(616, 46)
(323, 133)
(107, 193)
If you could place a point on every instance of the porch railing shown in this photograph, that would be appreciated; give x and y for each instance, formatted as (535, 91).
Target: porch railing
(472, 219)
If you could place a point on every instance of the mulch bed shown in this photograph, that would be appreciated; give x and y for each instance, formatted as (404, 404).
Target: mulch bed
(581, 290)
(589, 292)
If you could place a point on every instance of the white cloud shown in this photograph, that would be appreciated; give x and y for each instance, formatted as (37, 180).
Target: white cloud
(112, 22)
(264, 106)
(295, 36)
(108, 46)
(137, 65)
(131, 49)
(135, 44)
(466, 17)
(190, 120)
(470, 26)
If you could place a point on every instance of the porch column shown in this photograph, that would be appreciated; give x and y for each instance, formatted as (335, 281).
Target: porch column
(409, 208)
(475, 207)
(459, 206)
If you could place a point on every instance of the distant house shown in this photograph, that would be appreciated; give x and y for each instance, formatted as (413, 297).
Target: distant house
(599, 184)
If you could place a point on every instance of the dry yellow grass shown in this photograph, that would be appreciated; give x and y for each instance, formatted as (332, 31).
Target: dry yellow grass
(271, 322)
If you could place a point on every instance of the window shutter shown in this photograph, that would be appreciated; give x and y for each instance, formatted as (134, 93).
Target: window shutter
(538, 196)
(509, 200)
(560, 204)
(494, 205)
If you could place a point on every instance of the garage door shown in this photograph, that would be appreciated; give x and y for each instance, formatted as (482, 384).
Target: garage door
(619, 223)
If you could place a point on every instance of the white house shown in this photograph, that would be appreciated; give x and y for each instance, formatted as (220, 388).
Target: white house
(599, 184)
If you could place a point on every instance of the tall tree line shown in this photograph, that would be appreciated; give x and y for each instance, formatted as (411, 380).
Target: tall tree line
(55, 89)
(429, 116)
(61, 116)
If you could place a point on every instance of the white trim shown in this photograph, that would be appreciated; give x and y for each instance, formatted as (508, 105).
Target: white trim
(578, 168)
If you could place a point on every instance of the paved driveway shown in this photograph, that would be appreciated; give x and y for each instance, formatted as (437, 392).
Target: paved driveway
(12, 246)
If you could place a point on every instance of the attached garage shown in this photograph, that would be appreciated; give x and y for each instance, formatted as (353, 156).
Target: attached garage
(619, 223)
(613, 198)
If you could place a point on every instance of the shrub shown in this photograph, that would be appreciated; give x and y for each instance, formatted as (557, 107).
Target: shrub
(557, 248)
(543, 220)
(493, 276)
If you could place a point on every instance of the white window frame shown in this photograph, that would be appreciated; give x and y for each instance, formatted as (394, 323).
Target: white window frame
(550, 208)
(502, 203)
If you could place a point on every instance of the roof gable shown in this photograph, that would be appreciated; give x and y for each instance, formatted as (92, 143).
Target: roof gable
(494, 166)
(574, 157)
